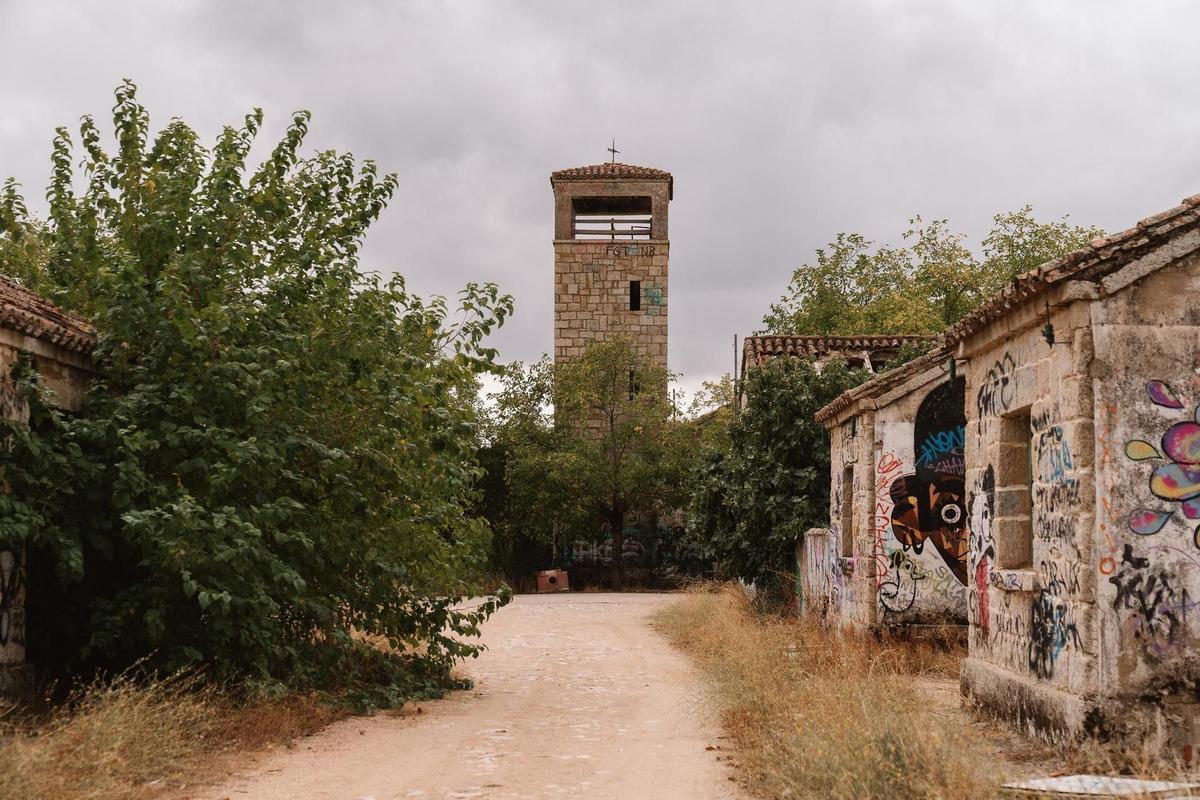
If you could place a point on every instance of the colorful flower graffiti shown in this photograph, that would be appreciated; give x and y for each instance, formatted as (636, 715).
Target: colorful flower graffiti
(1177, 481)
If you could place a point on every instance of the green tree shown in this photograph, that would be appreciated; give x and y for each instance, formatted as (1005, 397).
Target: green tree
(610, 451)
(750, 502)
(932, 282)
(277, 456)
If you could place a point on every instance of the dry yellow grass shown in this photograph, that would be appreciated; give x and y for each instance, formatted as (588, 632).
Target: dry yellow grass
(818, 716)
(127, 740)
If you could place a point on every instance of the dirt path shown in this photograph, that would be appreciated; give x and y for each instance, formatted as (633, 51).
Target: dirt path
(576, 697)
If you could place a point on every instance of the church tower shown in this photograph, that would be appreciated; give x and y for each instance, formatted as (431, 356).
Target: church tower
(610, 258)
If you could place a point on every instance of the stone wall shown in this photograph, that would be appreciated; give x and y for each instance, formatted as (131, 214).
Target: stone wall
(897, 460)
(591, 295)
(66, 371)
(918, 518)
(1083, 550)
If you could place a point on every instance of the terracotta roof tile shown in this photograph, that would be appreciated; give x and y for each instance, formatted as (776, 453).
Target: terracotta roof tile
(33, 315)
(609, 171)
(758, 349)
(1100, 257)
(882, 383)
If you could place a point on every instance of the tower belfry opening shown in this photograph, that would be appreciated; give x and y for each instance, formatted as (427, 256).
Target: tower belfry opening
(611, 257)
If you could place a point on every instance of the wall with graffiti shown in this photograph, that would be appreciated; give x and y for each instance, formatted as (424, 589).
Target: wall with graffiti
(1029, 503)
(1147, 550)
(897, 481)
(1083, 506)
(836, 562)
(918, 511)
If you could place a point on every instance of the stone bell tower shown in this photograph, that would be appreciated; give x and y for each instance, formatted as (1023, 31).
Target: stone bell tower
(610, 257)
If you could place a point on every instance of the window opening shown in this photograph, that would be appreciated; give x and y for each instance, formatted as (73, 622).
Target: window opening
(1014, 492)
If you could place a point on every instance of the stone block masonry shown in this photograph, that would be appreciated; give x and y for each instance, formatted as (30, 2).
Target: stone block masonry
(592, 296)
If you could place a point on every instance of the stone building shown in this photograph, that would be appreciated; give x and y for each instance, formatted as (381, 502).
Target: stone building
(59, 345)
(611, 252)
(895, 551)
(1041, 470)
(1083, 473)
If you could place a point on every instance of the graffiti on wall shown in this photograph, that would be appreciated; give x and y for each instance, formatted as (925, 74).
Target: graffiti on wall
(1152, 600)
(998, 388)
(1052, 624)
(12, 599)
(1055, 484)
(1178, 480)
(982, 548)
(653, 296)
(928, 505)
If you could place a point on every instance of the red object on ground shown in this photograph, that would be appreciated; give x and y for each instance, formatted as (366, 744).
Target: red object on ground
(552, 580)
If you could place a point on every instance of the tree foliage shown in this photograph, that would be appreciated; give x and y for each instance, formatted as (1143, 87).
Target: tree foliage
(930, 282)
(276, 458)
(590, 443)
(750, 502)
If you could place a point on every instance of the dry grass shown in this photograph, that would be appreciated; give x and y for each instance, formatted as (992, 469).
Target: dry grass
(126, 740)
(816, 716)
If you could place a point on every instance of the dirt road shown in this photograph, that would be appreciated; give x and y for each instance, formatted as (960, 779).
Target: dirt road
(575, 697)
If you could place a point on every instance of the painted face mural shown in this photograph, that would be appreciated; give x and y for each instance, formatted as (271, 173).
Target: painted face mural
(1178, 480)
(930, 504)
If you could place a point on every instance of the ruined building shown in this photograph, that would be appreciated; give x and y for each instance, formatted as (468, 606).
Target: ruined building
(895, 551)
(1083, 468)
(611, 253)
(1042, 471)
(58, 344)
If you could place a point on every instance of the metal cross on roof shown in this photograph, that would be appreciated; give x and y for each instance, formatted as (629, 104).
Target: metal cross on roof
(613, 149)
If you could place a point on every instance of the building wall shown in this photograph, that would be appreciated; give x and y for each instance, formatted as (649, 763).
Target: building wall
(1032, 649)
(67, 374)
(591, 295)
(1080, 582)
(838, 565)
(918, 522)
(1146, 551)
(905, 461)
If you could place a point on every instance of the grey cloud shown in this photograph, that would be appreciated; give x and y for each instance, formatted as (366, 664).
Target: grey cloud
(783, 122)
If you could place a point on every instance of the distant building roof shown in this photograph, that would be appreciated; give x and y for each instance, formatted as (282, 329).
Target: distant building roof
(1099, 258)
(33, 315)
(883, 383)
(760, 349)
(611, 171)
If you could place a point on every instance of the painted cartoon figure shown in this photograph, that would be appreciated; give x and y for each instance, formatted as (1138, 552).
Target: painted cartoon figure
(930, 504)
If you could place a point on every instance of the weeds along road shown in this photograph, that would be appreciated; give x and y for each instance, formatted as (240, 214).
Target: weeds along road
(576, 697)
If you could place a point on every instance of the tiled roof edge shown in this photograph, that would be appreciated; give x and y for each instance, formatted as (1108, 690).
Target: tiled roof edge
(1105, 253)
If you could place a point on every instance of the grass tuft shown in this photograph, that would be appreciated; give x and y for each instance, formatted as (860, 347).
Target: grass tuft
(815, 715)
(125, 739)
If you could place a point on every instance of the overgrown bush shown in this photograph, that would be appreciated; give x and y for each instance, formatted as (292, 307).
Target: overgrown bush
(751, 501)
(278, 452)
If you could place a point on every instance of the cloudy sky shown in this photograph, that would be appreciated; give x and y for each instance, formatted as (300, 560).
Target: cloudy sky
(783, 123)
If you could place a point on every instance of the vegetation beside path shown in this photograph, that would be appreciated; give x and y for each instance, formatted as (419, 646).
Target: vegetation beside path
(813, 715)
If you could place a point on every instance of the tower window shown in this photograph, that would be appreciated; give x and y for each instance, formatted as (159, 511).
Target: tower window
(635, 295)
(634, 386)
(612, 218)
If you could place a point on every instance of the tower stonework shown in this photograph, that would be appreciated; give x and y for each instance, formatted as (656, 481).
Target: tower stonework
(610, 258)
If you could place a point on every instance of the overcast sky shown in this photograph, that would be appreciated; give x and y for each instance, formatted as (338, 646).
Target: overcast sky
(783, 123)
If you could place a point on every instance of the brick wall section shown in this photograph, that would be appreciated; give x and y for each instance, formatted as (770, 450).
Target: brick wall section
(591, 295)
